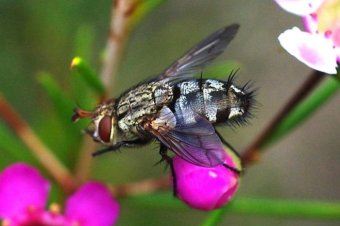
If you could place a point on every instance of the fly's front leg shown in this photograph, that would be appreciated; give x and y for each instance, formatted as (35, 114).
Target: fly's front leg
(119, 145)
(108, 149)
(163, 152)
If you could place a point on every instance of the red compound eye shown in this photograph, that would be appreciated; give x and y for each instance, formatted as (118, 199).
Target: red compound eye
(104, 128)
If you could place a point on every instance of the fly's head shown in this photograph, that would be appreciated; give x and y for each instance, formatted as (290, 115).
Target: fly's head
(241, 101)
(103, 124)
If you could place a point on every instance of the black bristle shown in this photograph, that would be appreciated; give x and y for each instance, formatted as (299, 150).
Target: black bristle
(249, 95)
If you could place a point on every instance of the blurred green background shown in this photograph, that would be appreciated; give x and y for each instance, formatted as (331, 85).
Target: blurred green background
(43, 36)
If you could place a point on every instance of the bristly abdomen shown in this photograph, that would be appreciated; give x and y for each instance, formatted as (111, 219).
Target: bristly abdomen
(219, 101)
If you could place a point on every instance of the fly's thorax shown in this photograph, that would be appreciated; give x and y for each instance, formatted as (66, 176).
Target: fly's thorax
(140, 102)
(147, 94)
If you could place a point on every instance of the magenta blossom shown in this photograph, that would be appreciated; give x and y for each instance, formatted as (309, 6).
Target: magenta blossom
(24, 193)
(205, 188)
(319, 46)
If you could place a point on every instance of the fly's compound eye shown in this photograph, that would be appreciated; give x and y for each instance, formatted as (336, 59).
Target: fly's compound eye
(104, 129)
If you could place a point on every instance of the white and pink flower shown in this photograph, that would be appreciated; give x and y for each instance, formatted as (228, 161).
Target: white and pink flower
(319, 46)
(23, 198)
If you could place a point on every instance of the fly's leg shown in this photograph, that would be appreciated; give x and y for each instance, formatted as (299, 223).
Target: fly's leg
(232, 169)
(235, 170)
(108, 149)
(227, 144)
(120, 144)
(163, 152)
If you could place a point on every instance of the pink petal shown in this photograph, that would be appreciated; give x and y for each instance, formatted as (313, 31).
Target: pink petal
(21, 186)
(314, 50)
(310, 23)
(300, 7)
(92, 205)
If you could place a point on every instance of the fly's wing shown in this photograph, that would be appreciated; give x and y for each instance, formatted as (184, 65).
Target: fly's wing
(195, 142)
(202, 54)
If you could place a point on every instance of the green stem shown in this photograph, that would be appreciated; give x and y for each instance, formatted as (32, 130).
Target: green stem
(251, 154)
(88, 75)
(247, 206)
(277, 208)
(305, 109)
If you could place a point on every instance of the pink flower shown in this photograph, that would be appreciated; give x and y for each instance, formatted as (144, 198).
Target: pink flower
(205, 188)
(300, 7)
(24, 194)
(312, 49)
(319, 47)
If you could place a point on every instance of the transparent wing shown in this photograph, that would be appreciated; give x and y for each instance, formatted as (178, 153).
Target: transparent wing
(203, 53)
(195, 142)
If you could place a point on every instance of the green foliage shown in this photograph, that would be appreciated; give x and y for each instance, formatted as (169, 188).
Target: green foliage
(143, 9)
(244, 205)
(62, 103)
(12, 149)
(91, 79)
(305, 109)
(277, 208)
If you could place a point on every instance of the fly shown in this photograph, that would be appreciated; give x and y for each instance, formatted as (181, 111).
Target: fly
(176, 109)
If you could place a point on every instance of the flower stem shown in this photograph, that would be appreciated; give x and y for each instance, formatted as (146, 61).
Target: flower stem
(251, 154)
(302, 111)
(277, 208)
(140, 187)
(118, 35)
(43, 154)
(247, 206)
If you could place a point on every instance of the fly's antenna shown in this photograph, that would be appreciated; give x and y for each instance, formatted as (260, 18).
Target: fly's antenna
(80, 113)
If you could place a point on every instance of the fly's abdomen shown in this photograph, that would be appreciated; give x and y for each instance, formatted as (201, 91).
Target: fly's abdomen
(218, 101)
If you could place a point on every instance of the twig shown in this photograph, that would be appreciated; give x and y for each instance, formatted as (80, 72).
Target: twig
(118, 35)
(44, 155)
(140, 187)
(83, 167)
(251, 154)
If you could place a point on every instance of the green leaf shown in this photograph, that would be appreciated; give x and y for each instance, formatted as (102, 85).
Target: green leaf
(12, 149)
(64, 136)
(277, 208)
(305, 109)
(63, 105)
(144, 8)
(92, 80)
(248, 206)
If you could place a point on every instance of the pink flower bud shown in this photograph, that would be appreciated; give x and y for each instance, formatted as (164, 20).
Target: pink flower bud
(205, 188)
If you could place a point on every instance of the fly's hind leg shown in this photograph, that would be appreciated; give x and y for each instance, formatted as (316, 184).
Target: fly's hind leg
(163, 152)
(235, 170)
